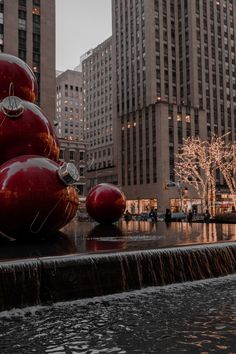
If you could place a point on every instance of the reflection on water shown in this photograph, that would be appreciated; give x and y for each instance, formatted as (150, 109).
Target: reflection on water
(146, 235)
(105, 231)
(198, 317)
(85, 237)
(190, 232)
(96, 243)
(57, 245)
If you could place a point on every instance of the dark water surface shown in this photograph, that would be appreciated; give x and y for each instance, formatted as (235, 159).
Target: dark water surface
(198, 317)
(86, 238)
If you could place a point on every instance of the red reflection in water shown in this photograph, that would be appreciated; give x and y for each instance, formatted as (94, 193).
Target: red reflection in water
(105, 238)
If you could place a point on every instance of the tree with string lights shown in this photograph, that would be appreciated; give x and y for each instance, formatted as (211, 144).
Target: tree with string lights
(198, 161)
(196, 167)
(224, 155)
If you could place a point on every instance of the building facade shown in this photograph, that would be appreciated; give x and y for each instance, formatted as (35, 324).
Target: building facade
(69, 122)
(97, 112)
(27, 30)
(75, 152)
(173, 77)
(69, 106)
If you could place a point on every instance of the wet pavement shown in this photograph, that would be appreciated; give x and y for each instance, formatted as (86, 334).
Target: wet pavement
(87, 238)
(197, 317)
(194, 317)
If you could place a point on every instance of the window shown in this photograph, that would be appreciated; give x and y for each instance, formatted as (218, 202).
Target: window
(22, 14)
(36, 43)
(62, 153)
(81, 155)
(22, 3)
(36, 11)
(72, 155)
(22, 24)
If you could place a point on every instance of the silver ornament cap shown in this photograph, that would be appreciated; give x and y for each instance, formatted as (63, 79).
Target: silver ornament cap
(12, 106)
(68, 173)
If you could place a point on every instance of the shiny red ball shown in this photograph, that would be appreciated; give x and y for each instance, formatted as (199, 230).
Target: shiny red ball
(105, 203)
(33, 199)
(24, 130)
(16, 73)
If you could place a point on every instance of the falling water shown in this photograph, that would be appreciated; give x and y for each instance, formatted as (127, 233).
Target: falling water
(49, 280)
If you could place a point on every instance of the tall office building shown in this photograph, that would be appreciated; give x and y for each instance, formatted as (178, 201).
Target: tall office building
(69, 122)
(27, 30)
(69, 105)
(173, 77)
(98, 118)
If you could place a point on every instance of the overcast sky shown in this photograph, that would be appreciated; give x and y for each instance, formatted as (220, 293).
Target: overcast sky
(80, 26)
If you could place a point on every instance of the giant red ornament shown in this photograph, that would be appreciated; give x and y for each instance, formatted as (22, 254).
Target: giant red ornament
(16, 75)
(105, 203)
(24, 130)
(35, 196)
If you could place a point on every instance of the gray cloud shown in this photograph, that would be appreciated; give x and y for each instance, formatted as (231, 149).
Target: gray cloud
(80, 25)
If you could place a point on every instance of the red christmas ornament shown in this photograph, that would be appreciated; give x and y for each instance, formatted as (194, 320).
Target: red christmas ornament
(105, 203)
(16, 73)
(36, 198)
(24, 130)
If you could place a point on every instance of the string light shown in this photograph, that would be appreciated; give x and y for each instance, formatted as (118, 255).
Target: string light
(198, 161)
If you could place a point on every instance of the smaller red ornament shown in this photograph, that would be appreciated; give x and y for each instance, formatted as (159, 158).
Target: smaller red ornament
(105, 203)
(24, 130)
(17, 76)
(36, 196)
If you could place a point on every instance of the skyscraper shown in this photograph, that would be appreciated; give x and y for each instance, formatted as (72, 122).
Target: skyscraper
(69, 105)
(27, 30)
(70, 126)
(98, 118)
(173, 77)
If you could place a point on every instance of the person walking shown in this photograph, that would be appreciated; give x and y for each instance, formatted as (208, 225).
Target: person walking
(190, 216)
(207, 216)
(127, 216)
(153, 215)
(168, 215)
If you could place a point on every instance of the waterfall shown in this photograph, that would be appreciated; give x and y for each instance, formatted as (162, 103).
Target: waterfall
(61, 278)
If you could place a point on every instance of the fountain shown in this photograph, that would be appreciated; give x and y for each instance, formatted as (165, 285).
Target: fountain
(37, 198)
(96, 263)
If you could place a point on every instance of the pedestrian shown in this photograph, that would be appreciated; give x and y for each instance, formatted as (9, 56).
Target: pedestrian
(153, 215)
(127, 215)
(168, 216)
(190, 216)
(207, 216)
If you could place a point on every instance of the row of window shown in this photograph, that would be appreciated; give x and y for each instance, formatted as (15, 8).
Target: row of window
(71, 87)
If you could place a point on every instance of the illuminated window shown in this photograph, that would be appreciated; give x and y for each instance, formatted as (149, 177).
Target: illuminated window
(188, 118)
(179, 118)
(36, 11)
